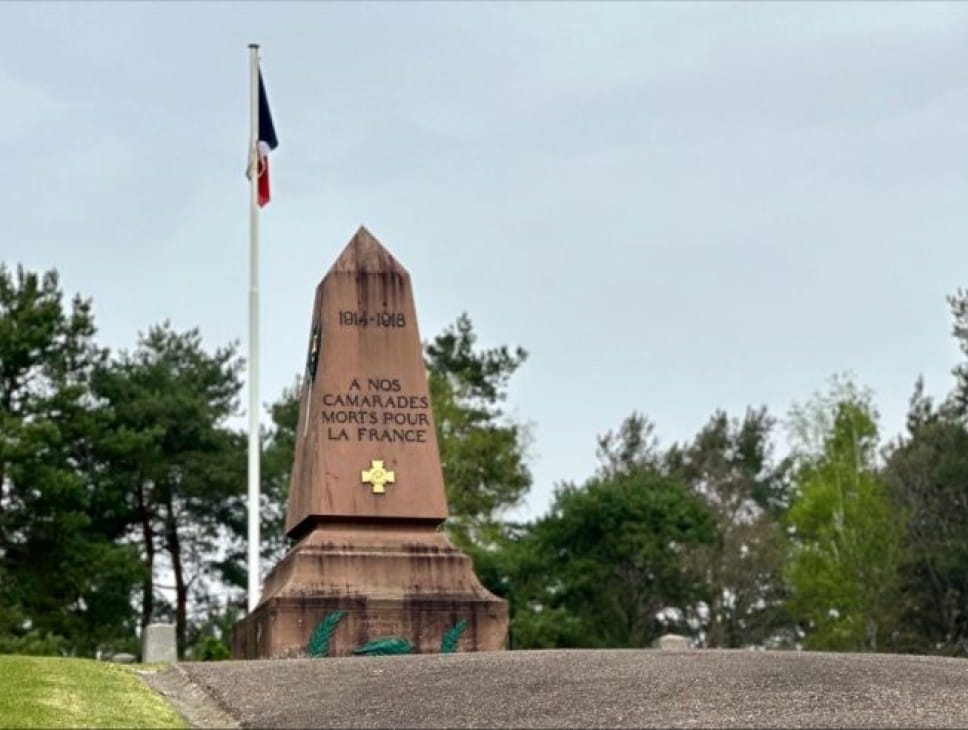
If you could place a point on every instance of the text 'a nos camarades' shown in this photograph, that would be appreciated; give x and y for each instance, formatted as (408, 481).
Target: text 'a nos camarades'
(376, 410)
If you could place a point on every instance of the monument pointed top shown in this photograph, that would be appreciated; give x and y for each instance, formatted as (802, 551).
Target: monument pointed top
(366, 255)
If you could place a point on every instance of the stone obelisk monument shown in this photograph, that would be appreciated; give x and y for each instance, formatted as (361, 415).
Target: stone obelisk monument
(366, 497)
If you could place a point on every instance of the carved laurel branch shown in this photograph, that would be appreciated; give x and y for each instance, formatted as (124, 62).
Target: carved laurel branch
(319, 642)
(448, 644)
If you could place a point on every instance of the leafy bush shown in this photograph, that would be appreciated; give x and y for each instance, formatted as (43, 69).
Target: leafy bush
(33, 643)
(211, 649)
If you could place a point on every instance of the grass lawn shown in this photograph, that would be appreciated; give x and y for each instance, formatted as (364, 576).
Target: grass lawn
(58, 692)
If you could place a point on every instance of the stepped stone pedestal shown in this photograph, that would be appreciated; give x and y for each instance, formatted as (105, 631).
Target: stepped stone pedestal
(366, 494)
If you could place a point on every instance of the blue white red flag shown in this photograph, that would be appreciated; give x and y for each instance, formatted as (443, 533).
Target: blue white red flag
(267, 143)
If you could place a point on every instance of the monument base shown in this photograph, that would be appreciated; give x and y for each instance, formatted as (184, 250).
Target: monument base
(396, 580)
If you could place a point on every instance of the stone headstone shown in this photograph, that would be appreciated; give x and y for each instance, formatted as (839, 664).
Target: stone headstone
(671, 642)
(158, 644)
(366, 493)
(123, 658)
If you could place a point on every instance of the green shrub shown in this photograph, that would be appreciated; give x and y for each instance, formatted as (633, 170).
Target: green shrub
(33, 643)
(211, 649)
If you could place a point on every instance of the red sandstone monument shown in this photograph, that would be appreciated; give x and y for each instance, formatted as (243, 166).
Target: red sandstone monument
(367, 498)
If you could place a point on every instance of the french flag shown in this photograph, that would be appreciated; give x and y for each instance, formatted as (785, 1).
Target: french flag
(267, 143)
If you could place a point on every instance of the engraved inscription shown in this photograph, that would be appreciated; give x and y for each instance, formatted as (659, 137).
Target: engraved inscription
(351, 318)
(376, 410)
(383, 626)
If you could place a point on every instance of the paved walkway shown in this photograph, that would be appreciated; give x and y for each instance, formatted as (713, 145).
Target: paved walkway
(558, 689)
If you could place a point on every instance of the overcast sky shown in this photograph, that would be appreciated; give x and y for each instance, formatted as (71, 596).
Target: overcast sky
(673, 207)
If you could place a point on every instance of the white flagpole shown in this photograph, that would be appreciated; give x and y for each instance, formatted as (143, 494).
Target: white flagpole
(254, 578)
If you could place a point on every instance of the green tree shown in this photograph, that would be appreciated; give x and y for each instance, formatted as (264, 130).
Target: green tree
(927, 471)
(847, 538)
(482, 451)
(633, 447)
(183, 468)
(958, 303)
(63, 571)
(729, 466)
(609, 565)
(278, 448)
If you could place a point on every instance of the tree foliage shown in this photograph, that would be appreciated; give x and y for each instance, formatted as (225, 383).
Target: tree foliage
(481, 450)
(847, 537)
(181, 467)
(729, 466)
(122, 502)
(927, 472)
(63, 571)
(607, 560)
(632, 447)
(278, 448)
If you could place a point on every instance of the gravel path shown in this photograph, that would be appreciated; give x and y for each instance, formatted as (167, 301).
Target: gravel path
(568, 688)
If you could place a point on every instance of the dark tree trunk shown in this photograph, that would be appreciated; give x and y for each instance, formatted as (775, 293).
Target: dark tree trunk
(181, 589)
(148, 583)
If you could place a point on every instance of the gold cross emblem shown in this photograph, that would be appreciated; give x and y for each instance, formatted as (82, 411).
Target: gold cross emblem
(377, 476)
